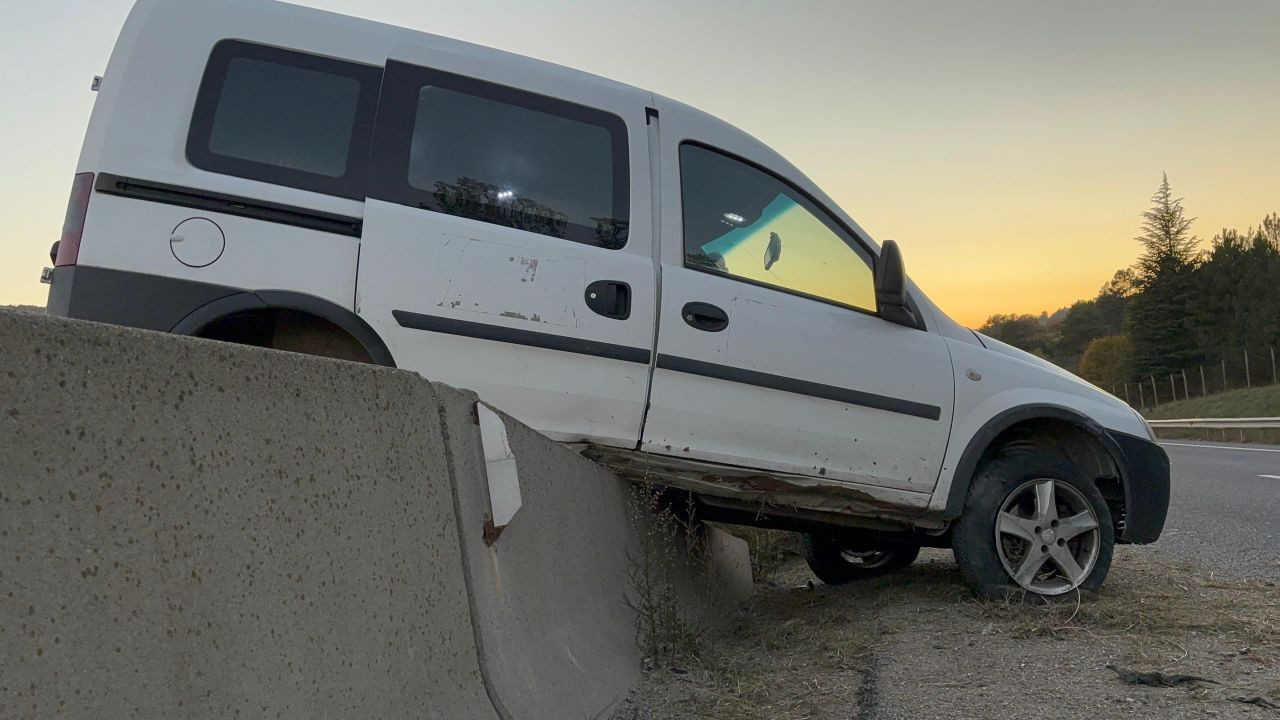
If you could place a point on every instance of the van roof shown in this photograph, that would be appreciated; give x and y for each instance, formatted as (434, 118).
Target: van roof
(407, 36)
(164, 44)
(271, 13)
(157, 29)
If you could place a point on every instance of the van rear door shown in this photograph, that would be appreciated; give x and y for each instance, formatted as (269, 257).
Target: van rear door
(507, 240)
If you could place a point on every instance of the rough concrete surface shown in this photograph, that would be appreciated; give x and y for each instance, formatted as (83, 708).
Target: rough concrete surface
(193, 529)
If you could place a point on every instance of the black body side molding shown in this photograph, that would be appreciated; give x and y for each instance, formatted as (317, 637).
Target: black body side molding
(498, 333)
(198, 199)
(184, 307)
(122, 297)
(799, 387)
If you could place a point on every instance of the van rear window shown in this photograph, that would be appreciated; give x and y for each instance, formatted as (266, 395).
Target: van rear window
(285, 117)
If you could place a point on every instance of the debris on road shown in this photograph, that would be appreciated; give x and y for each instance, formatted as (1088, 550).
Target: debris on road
(1260, 702)
(1159, 679)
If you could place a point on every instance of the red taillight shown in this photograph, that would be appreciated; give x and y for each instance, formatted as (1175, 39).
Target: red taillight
(73, 225)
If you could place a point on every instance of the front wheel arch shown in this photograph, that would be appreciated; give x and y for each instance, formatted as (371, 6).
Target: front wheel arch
(1073, 435)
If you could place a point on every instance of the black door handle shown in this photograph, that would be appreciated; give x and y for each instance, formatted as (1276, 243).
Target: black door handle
(610, 298)
(704, 316)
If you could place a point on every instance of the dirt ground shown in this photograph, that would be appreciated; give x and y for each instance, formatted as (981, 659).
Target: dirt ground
(918, 645)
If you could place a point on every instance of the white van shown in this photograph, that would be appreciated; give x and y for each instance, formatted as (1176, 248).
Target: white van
(614, 268)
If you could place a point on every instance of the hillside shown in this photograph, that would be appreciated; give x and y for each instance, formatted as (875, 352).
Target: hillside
(1254, 402)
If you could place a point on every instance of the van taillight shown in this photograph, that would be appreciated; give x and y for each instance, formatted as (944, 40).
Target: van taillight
(73, 225)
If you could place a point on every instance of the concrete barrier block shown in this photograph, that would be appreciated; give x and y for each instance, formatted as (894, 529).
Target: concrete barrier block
(555, 634)
(728, 571)
(197, 530)
(193, 529)
(555, 637)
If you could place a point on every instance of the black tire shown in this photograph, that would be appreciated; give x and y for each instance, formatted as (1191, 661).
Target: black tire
(974, 538)
(828, 560)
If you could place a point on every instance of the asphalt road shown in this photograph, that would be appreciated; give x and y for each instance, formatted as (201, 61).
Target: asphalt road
(1225, 509)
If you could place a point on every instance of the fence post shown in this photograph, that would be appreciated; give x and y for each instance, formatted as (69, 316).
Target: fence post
(1248, 381)
(1204, 389)
(1155, 392)
(1186, 395)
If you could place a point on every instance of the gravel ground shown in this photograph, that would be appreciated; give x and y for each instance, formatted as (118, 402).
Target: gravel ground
(918, 645)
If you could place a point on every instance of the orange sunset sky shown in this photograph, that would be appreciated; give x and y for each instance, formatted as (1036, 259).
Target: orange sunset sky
(1008, 146)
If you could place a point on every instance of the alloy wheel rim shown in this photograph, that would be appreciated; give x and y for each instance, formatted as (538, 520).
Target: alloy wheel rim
(867, 559)
(1047, 536)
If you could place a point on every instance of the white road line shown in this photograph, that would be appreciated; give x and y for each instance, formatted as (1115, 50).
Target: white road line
(1222, 447)
(1270, 477)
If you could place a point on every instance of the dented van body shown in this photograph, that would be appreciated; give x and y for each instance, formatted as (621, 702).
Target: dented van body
(617, 269)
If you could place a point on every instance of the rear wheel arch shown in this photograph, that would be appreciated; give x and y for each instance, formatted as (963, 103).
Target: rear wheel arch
(311, 316)
(1060, 432)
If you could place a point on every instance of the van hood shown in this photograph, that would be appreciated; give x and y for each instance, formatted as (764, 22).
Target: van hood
(1006, 349)
(1118, 414)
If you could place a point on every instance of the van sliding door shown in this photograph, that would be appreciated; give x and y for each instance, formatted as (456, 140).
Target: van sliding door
(507, 240)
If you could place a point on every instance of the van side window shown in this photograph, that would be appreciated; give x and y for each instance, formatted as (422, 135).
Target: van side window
(285, 117)
(486, 152)
(745, 223)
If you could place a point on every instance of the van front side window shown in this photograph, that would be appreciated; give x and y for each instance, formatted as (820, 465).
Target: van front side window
(743, 222)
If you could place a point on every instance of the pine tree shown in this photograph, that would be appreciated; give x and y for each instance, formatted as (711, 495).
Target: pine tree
(1238, 286)
(1157, 320)
(1168, 245)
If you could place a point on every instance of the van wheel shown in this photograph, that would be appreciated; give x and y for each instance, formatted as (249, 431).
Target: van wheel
(1033, 524)
(837, 563)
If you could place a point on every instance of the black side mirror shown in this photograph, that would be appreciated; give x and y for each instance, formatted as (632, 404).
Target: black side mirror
(891, 286)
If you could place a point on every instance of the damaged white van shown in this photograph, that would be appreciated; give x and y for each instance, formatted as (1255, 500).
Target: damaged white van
(614, 268)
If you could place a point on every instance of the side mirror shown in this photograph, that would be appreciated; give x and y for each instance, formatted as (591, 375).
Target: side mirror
(773, 252)
(891, 286)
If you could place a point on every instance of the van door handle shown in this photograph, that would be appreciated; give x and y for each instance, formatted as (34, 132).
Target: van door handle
(610, 298)
(704, 316)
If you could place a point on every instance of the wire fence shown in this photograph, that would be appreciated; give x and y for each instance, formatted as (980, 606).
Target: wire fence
(1245, 368)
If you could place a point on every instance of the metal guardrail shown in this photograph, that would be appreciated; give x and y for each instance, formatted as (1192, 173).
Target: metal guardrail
(1218, 423)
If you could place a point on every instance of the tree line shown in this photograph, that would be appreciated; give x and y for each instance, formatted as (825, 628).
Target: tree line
(1177, 308)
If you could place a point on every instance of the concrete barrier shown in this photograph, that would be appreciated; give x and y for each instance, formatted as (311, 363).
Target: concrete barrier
(548, 591)
(192, 529)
